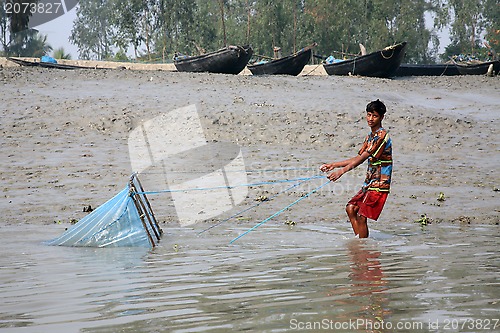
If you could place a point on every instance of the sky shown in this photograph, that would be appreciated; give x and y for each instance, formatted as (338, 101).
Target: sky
(59, 30)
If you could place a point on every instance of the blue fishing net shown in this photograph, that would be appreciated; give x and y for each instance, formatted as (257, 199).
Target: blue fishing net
(125, 220)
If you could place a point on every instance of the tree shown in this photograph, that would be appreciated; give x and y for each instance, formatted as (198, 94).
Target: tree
(15, 34)
(209, 33)
(470, 21)
(408, 24)
(61, 54)
(92, 31)
(492, 24)
(29, 43)
(342, 25)
(273, 26)
(175, 26)
(163, 27)
(4, 30)
(128, 28)
(468, 24)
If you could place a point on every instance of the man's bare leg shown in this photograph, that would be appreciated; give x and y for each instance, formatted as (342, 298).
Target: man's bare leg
(352, 213)
(358, 222)
(362, 226)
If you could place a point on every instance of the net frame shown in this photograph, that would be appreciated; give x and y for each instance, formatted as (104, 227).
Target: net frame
(145, 210)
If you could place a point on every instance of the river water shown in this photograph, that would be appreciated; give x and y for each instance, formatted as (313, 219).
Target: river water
(309, 277)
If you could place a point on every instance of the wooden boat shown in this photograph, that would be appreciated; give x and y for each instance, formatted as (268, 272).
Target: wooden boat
(289, 65)
(228, 60)
(479, 68)
(383, 63)
(427, 70)
(61, 66)
(28, 63)
(23, 62)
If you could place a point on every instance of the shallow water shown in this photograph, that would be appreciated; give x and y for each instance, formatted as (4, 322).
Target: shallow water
(310, 277)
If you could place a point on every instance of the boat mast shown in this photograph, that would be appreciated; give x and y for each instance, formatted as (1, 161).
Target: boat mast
(248, 22)
(221, 3)
(294, 27)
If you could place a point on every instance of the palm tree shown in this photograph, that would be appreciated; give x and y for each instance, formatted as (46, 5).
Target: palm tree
(38, 46)
(60, 54)
(29, 43)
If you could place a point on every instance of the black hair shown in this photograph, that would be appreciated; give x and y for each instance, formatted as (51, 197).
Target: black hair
(376, 106)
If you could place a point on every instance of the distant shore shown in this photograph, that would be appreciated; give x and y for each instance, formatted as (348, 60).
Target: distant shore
(169, 67)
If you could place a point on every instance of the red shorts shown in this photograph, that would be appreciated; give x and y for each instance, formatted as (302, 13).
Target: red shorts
(370, 203)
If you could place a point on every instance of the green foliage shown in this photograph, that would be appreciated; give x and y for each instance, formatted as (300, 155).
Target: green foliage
(468, 23)
(15, 36)
(492, 23)
(120, 56)
(472, 19)
(29, 43)
(93, 29)
(423, 220)
(60, 54)
(158, 28)
(273, 26)
(19, 19)
(129, 17)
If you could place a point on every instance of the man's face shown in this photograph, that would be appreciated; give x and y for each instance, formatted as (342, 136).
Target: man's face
(374, 119)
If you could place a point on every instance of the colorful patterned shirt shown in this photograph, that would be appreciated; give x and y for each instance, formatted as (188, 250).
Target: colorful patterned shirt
(378, 175)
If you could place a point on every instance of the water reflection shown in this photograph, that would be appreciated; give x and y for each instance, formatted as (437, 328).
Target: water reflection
(367, 304)
(275, 279)
(367, 276)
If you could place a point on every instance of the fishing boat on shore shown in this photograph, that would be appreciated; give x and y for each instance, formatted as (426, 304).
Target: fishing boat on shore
(480, 68)
(228, 60)
(290, 65)
(23, 62)
(382, 63)
(447, 69)
(45, 64)
(62, 66)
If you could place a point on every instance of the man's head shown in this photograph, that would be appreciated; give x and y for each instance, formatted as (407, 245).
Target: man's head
(374, 114)
(376, 106)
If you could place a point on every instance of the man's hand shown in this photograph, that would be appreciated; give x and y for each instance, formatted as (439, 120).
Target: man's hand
(326, 167)
(336, 175)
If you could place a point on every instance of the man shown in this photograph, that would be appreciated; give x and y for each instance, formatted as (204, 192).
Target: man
(377, 148)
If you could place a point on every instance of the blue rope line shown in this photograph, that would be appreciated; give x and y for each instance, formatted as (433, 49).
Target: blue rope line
(282, 169)
(232, 186)
(253, 206)
(239, 171)
(278, 212)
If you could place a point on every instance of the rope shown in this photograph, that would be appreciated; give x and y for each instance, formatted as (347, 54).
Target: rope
(279, 212)
(229, 187)
(383, 56)
(236, 171)
(253, 206)
(444, 71)
(282, 169)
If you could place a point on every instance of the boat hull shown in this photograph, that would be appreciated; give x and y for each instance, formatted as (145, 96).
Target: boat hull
(427, 70)
(23, 62)
(228, 60)
(290, 65)
(28, 63)
(479, 69)
(383, 63)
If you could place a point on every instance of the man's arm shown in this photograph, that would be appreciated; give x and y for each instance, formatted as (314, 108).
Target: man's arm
(353, 163)
(330, 166)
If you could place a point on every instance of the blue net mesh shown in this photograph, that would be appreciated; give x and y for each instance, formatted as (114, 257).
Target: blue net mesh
(125, 220)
